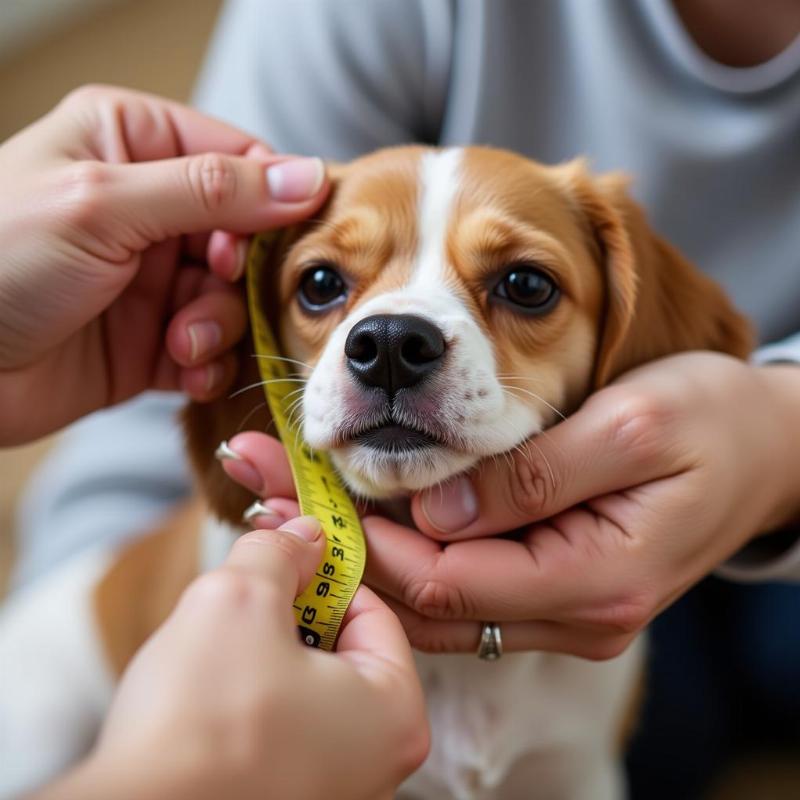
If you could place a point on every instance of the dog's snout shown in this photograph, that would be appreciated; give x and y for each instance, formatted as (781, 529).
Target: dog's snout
(393, 351)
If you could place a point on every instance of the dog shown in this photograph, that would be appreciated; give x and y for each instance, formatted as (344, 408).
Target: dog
(445, 306)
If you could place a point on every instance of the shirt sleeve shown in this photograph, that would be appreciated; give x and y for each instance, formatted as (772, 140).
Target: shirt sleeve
(775, 557)
(334, 78)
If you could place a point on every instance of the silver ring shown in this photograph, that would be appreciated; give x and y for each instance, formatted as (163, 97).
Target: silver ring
(490, 647)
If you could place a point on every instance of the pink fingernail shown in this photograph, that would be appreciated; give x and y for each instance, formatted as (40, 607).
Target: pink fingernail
(451, 507)
(296, 180)
(214, 374)
(203, 338)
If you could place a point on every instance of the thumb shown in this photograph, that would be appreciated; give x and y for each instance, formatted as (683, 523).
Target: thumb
(199, 193)
(282, 561)
(598, 450)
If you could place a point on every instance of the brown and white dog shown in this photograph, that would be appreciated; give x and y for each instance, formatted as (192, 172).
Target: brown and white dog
(447, 306)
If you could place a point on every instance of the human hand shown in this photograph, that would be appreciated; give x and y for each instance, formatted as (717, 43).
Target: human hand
(224, 700)
(656, 480)
(105, 216)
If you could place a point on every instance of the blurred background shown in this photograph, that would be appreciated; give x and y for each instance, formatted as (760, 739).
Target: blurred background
(47, 48)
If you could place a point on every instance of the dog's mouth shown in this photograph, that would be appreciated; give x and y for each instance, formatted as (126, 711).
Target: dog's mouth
(393, 438)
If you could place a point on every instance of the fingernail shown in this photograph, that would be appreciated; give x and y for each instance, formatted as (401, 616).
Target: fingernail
(296, 180)
(241, 470)
(260, 515)
(203, 338)
(214, 374)
(307, 528)
(242, 248)
(450, 507)
(225, 452)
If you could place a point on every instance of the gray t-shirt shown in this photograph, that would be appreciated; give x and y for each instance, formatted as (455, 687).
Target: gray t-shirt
(713, 151)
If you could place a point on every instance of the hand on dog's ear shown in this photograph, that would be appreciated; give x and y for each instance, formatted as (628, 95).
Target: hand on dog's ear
(657, 303)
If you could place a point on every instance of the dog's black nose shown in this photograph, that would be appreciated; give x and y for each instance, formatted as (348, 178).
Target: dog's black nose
(393, 351)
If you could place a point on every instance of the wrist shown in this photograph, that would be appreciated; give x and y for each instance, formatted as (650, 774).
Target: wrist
(781, 384)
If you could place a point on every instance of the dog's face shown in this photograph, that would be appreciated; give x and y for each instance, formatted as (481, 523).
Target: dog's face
(447, 307)
(449, 304)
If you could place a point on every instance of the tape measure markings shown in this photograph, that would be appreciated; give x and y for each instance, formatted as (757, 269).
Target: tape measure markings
(315, 478)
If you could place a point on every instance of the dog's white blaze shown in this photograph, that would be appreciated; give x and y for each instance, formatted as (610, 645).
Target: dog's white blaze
(438, 186)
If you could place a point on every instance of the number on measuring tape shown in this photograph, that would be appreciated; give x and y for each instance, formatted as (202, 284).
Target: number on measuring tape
(321, 607)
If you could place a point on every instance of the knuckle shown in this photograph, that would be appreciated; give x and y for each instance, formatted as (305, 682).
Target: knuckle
(87, 94)
(532, 485)
(628, 616)
(83, 187)
(436, 599)
(639, 425)
(212, 180)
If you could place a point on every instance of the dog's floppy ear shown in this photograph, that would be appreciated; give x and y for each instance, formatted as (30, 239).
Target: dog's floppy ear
(657, 303)
(241, 408)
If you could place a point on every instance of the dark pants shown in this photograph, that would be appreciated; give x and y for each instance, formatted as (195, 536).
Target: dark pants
(723, 678)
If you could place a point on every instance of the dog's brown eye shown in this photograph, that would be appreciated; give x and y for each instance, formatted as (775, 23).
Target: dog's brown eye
(321, 286)
(528, 288)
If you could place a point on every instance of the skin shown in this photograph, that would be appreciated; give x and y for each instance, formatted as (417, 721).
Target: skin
(102, 275)
(652, 483)
(103, 242)
(242, 708)
(651, 488)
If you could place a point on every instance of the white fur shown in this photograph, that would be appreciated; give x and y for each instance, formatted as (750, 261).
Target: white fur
(55, 684)
(528, 726)
(532, 725)
(465, 396)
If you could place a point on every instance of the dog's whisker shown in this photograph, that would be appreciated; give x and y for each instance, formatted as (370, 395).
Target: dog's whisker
(266, 383)
(535, 396)
(249, 414)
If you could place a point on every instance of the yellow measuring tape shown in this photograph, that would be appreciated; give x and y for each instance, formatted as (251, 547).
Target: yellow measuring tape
(320, 608)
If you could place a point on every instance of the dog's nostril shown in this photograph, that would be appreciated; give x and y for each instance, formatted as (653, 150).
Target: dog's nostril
(362, 348)
(419, 349)
(393, 351)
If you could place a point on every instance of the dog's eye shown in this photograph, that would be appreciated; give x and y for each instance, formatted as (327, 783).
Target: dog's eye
(529, 288)
(320, 287)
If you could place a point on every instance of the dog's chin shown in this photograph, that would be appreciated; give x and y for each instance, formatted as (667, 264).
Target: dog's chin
(374, 473)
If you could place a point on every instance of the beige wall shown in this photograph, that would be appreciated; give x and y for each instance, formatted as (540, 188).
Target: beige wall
(155, 45)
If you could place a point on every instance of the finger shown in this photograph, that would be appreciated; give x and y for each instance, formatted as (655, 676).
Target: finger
(136, 126)
(200, 193)
(603, 447)
(207, 327)
(371, 628)
(206, 382)
(282, 561)
(227, 255)
(439, 636)
(271, 513)
(577, 568)
(259, 463)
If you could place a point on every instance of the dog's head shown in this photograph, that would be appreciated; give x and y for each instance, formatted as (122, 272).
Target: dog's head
(449, 304)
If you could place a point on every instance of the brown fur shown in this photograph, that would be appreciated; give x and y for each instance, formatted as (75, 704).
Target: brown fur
(627, 296)
(143, 585)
